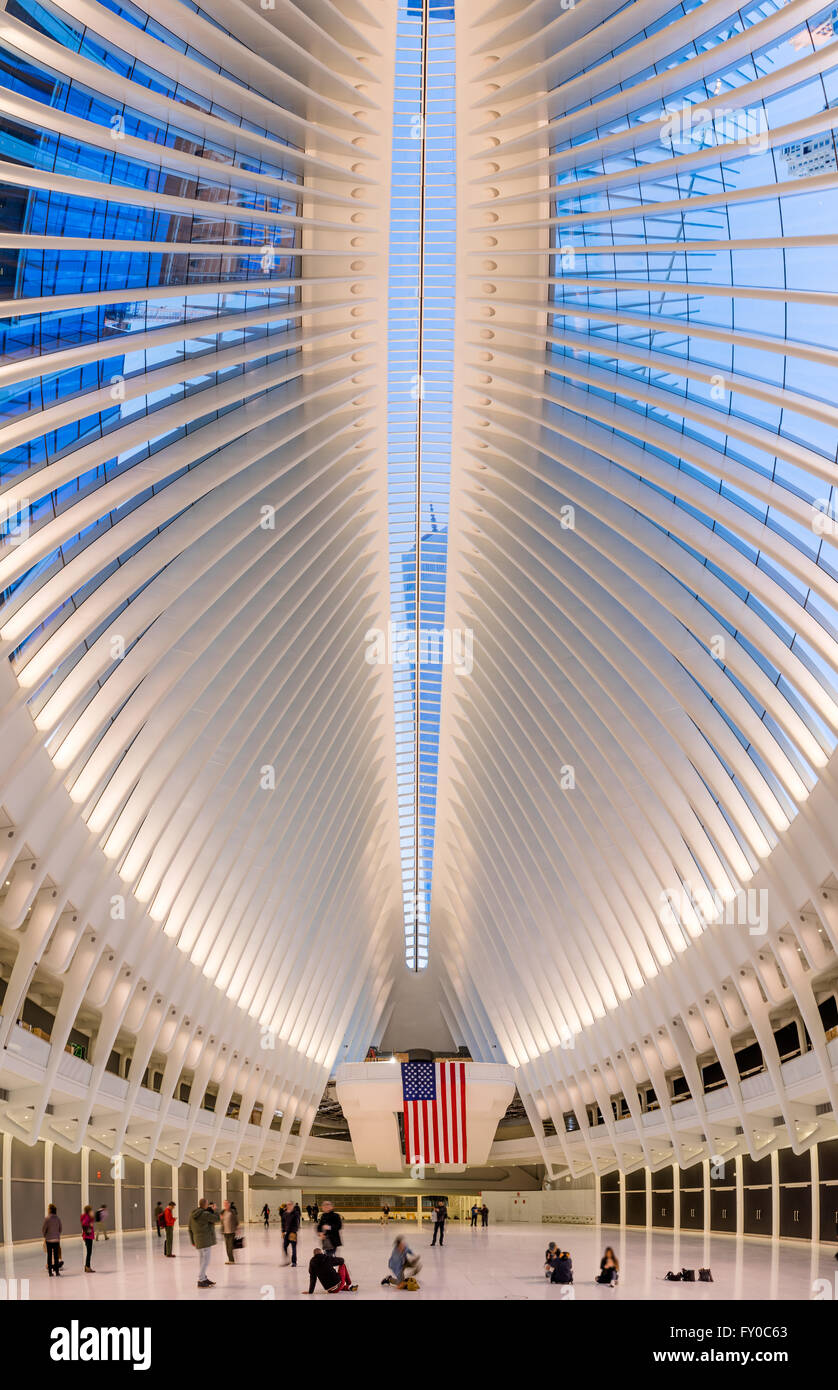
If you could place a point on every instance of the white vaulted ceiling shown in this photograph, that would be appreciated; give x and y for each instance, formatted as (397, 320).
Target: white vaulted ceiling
(224, 829)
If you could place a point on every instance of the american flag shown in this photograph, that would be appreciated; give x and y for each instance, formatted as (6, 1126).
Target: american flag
(434, 1112)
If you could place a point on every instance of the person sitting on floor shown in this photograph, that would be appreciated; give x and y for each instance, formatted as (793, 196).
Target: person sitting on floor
(330, 1270)
(550, 1254)
(561, 1266)
(404, 1265)
(609, 1268)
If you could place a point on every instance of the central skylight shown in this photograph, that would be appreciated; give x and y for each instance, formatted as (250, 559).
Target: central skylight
(420, 366)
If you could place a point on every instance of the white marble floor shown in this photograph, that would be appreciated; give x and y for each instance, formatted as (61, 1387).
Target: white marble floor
(501, 1262)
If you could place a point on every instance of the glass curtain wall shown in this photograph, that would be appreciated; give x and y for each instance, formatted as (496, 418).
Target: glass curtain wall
(692, 244)
(420, 366)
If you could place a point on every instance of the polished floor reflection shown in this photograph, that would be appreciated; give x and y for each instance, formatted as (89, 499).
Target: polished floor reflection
(502, 1262)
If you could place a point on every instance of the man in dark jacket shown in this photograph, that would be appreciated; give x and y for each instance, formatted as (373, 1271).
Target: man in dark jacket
(329, 1227)
(562, 1266)
(290, 1232)
(440, 1218)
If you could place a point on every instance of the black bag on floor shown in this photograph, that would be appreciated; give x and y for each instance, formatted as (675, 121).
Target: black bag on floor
(705, 1277)
(673, 1278)
(688, 1276)
(238, 1242)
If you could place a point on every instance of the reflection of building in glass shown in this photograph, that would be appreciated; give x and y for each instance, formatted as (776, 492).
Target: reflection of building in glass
(420, 367)
(811, 156)
(433, 549)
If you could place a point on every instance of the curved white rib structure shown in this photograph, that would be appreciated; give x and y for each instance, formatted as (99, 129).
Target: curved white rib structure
(216, 812)
(200, 856)
(636, 817)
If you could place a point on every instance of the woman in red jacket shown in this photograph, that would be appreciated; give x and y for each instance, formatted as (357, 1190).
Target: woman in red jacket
(87, 1234)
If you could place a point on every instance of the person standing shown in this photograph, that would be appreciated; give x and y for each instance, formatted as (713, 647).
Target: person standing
(265, 1214)
(51, 1231)
(87, 1235)
(229, 1226)
(329, 1227)
(385, 1214)
(169, 1218)
(202, 1224)
(315, 1211)
(290, 1232)
(484, 1213)
(102, 1221)
(440, 1218)
(308, 1210)
(474, 1212)
(159, 1220)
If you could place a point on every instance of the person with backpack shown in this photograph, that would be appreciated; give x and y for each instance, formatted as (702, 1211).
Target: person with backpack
(159, 1220)
(51, 1232)
(265, 1214)
(87, 1235)
(202, 1224)
(290, 1232)
(102, 1221)
(169, 1220)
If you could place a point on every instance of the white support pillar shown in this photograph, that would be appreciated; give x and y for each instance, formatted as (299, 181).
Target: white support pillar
(419, 1213)
(676, 1196)
(200, 1183)
(85, 1177)
(740, 1196)
(622, 1198)
(48, 1148)
(246, 1198)
(648, 1173)
(117, 1167)
(705, 1183)
(775, 1193)
(223, 1185)
(816, 1192)
(7, 1189)
(148, 1220)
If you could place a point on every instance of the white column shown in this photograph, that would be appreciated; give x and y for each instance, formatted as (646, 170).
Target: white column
(775, 1193)
(676, 1196)
(147, 1216)
(85, 1177)
(7, 1189)
(419, 1213)
(246, 1198)
(740, 1197)
(223, 1185)
(648, 1173)
(705, 1183)
(117, 1164)
(200, 1183)
(48, 1148)
(816, 1192)
(622, 1217)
